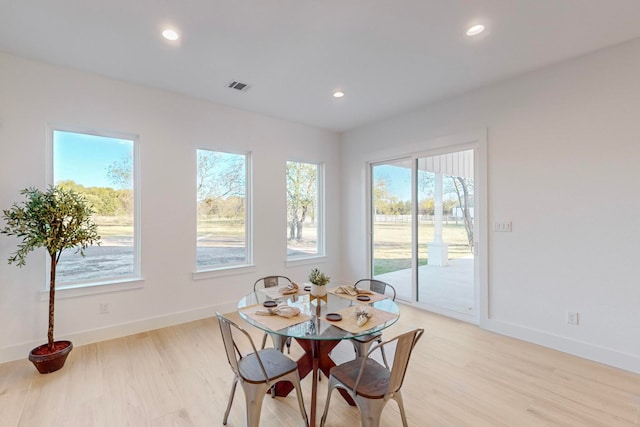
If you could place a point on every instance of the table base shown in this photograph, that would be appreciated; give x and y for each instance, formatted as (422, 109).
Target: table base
(315, 358)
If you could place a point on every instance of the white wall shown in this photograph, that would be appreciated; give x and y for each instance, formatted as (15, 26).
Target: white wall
(33, 95)
(563, 165)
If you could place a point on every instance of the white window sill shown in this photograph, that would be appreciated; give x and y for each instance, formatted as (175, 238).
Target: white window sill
(315, 259)
(85, 289)
(223, 271)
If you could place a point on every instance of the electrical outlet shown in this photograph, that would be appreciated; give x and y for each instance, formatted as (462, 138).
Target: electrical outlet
(502, 226)
(572, 318)
(104, 308)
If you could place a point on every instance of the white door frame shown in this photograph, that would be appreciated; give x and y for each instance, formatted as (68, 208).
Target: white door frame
(476, 140)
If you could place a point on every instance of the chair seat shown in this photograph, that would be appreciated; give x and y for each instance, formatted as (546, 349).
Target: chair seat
(275, 364)
(371, 384)
(374, 382)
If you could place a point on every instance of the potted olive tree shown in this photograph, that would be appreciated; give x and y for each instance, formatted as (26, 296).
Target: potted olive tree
(55, 219)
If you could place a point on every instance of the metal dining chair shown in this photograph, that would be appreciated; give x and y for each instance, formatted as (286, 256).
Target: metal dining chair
(270, 282)
(256, 372)
(363, 343)
(376, 286)
(371, 384)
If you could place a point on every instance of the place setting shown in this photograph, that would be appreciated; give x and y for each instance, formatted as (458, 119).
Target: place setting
(289, 290)
(359, 318)
(275, 315)
(355, 294)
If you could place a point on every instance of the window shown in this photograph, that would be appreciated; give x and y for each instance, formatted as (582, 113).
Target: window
(101, 167)
(223, 231)
(304, 210)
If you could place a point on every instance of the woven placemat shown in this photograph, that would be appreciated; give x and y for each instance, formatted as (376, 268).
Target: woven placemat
(275, 292)
(275, 322)
(349, 319)
(373, 295)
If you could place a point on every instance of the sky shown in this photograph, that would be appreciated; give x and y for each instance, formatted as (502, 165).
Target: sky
(398, 179)
(85, 158)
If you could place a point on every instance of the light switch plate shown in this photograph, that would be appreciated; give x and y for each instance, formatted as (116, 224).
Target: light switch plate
(502, 226)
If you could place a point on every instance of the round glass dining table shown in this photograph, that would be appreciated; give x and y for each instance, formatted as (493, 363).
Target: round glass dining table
(316, 334)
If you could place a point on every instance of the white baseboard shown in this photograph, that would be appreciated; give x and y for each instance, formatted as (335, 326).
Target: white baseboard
(20, 351)
(599, 354)
(628, 362)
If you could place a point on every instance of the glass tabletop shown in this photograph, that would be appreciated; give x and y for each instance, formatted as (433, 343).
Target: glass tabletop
(318, 327)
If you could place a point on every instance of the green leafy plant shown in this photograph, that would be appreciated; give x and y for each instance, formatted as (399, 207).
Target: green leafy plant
(55, 219)
(318, 278)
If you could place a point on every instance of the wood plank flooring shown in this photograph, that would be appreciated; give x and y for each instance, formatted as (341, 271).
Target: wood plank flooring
(459, 376)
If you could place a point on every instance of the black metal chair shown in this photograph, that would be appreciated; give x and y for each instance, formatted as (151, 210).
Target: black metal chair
(371, 384)
(363, 343)
(256, 372)
(271, 282)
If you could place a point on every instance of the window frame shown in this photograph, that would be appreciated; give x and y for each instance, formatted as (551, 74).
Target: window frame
(230, 268)
(105, 284)
(303, 259)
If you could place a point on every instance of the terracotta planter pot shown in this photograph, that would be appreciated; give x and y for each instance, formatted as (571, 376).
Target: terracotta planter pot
(51, 362)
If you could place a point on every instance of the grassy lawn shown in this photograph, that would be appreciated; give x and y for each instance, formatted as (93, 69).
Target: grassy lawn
(392, 244)
(392, 248)
(221, 227)
(114, 226)
(221, 233)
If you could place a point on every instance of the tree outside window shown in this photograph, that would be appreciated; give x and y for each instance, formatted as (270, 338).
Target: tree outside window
(304, 215)
(222, 229)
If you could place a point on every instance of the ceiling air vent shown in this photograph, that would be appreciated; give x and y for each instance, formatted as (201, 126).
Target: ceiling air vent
(242, 87)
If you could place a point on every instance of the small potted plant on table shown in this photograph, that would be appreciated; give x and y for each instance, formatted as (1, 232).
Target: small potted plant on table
(319, 282)
(55, 219)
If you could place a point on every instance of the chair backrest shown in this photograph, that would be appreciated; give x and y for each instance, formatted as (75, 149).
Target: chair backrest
(271, 281)
(404, 346)
(233, 353)
(377, 286)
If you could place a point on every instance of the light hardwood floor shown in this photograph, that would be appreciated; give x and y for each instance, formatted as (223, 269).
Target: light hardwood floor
(459, 375)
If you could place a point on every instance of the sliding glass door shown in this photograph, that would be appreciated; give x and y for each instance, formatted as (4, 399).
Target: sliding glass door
(423, 228)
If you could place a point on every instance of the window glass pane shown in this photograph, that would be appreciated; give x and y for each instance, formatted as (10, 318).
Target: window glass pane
(101, 168)
(445, 185)
(391, 220)
(222, 209)
(304, 218)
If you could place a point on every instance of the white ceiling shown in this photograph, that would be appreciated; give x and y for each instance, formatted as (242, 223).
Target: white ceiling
(388, 56)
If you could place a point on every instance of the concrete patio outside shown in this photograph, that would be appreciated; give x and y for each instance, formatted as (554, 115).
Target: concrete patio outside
(450, 287)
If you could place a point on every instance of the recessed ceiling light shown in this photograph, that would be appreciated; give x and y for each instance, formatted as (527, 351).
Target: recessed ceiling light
(170, 34)
(475, 30)
(338, 94)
